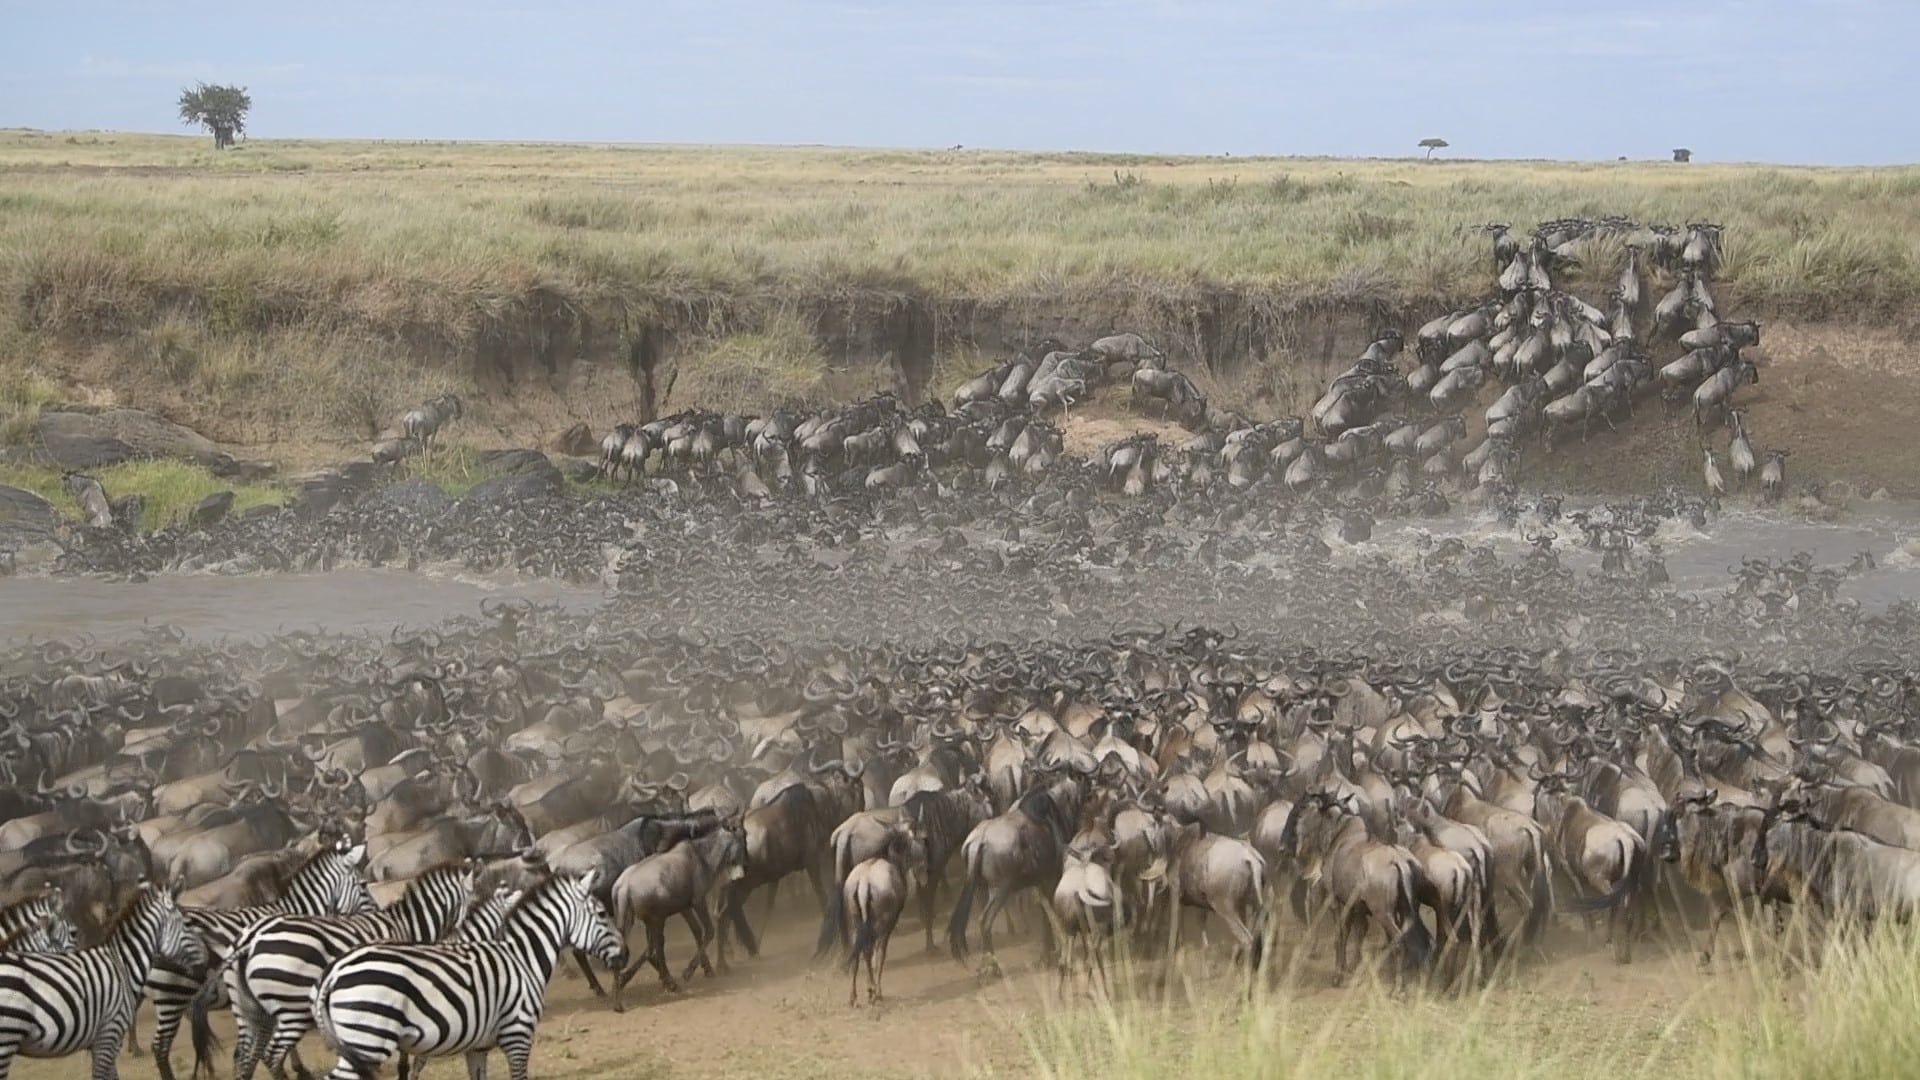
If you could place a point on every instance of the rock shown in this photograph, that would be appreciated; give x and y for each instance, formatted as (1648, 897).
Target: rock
(261, 512)
(62, 448)
(422, 497)
(74, 439)
(211, 510)
(530, 484)
(241, 471)
(313, 500)
(510, 462)
(1880, 495)
(577, 441)
(579, 470)
(25, 518)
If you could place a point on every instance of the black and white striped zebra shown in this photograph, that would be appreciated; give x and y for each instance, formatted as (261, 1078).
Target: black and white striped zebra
(484, 916)
(481, 923)
(329, 883)
(381, 1001)
(271, 973)
(38, 925)
(55, 1004)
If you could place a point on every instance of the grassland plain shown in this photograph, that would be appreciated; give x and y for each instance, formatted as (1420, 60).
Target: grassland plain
(296, 292)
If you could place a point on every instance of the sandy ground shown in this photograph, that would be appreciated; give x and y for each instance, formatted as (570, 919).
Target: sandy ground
(781, 1016)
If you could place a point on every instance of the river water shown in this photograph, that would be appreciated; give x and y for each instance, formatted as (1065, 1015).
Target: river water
(350, 600)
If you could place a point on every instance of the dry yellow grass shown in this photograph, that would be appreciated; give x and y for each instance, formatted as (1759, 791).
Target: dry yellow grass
(319, 286)
(386, 231)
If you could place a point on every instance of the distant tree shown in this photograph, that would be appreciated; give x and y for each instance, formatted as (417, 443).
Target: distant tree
(1432, 145)
(220, 109)
(1682, 155)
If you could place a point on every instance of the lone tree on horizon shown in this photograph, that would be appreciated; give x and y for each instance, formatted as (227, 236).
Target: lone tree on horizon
(1432, 145)
(220, 109)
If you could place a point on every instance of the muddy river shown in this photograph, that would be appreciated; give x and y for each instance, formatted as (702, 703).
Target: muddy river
(379, 600)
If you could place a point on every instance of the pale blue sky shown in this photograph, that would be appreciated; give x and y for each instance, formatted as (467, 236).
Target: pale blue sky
(1774, 80)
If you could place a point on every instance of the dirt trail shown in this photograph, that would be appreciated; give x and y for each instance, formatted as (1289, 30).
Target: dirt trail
(779, 1016)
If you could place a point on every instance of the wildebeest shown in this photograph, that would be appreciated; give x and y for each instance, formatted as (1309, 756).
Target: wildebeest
(874, 895)
(424, 422)
(677, 881)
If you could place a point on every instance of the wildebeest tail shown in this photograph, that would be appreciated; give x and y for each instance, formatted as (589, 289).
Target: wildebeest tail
(1416, 943)
(864, 934)
(963, 908)
(1542, 896)
(833, 919)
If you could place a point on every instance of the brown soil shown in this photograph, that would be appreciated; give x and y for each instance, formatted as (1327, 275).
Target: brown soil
(781, 1016)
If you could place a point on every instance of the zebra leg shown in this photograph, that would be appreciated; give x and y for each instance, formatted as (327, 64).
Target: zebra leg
(476, 1065)
(280, 1046)
(8, 1048)
(106, 1057)
(167, 1011)
(517, 1044)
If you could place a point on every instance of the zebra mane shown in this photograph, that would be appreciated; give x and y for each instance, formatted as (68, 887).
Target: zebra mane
(313, 859)
(537, 892)
(112, 924)
(446, 867)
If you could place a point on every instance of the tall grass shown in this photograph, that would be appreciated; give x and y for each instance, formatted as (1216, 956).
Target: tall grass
(389, 233)
(1847, 1013)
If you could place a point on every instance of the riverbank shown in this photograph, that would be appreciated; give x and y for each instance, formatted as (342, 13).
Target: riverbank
(288, 298)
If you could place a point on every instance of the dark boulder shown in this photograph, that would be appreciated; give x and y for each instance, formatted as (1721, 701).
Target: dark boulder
(66, 449)
(532, 483)
(25, 517)
(211, 510)
(577, 441)
(511, 462)
(579, 470)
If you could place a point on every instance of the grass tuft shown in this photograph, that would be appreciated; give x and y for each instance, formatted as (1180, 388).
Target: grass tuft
(172, 488)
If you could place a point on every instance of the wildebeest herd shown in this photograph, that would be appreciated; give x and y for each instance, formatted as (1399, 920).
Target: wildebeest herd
(924, 662)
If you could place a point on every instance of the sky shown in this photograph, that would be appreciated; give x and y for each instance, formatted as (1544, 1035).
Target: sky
(1816, 81)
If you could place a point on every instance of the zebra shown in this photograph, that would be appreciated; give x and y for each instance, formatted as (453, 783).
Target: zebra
(38, 925)
(423, 422)
(273, 967)
(481, 923)
(54, 1004)
(380, 1001)
(329, 883)
(484, 916)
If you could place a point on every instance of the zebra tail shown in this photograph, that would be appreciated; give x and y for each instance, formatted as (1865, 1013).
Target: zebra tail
(205, 1042)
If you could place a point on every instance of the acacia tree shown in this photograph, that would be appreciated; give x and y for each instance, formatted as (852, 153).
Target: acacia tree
(1432, 145)
(220, 109)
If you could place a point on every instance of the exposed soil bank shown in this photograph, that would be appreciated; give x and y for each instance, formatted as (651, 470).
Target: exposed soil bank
(1839, 395)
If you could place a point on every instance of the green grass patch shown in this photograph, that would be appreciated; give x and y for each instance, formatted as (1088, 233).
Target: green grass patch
(172, 488)
(455, 467)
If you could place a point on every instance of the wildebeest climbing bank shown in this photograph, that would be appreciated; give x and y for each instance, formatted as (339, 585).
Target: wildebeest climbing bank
(1083, 715)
